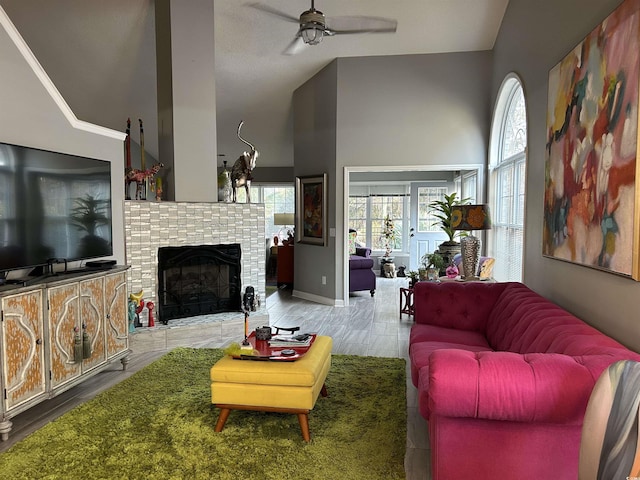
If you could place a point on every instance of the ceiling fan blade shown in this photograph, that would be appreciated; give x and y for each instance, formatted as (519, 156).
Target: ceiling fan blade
(360, 24)
(273, 11)
(296, 46)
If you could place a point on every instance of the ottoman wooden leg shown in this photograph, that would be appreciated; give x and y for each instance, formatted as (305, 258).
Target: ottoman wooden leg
(222, 419)
(303, 419)
(324, 392)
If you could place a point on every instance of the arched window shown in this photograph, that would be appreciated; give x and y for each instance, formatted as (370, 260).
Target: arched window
(507, 173)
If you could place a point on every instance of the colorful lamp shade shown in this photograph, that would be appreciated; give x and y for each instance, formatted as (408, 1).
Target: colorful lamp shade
(470, 217)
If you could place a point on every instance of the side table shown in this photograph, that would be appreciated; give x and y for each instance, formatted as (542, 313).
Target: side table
(406, 301)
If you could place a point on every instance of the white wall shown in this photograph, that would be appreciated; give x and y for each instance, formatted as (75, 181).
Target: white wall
(100, 55)
(30, 116)
(533, 38)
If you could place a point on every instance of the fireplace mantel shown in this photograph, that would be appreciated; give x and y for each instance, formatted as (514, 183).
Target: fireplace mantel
(150, 225)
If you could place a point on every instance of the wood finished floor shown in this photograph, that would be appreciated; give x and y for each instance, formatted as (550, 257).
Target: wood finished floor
(369, 326)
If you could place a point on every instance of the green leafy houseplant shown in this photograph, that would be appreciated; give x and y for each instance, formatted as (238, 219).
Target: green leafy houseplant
(433, 260)
(442, 210)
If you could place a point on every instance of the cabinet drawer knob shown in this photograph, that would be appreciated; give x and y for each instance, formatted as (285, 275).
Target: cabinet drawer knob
(39, 341)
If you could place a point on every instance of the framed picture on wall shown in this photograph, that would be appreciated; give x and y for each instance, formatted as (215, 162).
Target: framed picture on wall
(311, 210)
(591, 197)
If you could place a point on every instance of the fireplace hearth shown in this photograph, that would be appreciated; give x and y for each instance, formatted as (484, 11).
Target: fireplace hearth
(198, 280)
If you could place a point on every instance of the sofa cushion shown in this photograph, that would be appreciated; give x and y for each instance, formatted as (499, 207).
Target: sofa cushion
(433, 333)
(524, 322)
(352, 243)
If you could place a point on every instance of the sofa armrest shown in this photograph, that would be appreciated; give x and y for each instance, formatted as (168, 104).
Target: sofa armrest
(363, 252)
(534, 387)
(459, 305)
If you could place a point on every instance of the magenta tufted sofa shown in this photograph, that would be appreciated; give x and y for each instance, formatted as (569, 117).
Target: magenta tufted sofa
(503, 378)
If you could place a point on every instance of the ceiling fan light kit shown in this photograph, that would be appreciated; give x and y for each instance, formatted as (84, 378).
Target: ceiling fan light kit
(311, 35)
(313, 25)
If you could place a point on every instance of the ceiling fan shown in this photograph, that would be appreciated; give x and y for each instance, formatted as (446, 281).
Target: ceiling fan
(314, 26)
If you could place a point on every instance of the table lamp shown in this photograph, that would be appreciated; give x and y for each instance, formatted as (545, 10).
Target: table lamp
(470, 217)
(284, 220)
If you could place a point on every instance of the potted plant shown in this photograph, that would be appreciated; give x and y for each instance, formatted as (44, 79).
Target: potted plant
(433, 263)
(442, 210)
(414, 276)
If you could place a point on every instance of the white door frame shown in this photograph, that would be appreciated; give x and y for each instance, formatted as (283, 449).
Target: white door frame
(478, 167)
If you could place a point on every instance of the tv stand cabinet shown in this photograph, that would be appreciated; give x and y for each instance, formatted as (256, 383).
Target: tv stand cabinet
(38, 327)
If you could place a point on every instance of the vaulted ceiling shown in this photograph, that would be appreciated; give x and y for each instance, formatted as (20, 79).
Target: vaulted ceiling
(101, 56)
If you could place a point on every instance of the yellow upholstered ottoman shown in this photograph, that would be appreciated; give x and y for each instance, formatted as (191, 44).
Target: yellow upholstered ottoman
(272, 386)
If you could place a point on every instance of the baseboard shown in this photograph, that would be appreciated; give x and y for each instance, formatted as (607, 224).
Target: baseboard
(318, 299)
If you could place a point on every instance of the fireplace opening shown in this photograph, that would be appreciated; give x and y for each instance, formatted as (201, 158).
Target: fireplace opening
(198, 280)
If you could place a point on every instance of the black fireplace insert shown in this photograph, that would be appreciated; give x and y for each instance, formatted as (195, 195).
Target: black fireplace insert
(198, 280)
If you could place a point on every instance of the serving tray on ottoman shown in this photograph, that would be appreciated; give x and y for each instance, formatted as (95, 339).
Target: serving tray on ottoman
(265, 350)
(272, 386)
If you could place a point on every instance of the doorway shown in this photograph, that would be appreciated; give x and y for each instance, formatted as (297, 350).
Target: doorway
(417, 174)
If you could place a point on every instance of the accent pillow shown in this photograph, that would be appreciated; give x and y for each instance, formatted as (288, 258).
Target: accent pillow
(352, 243)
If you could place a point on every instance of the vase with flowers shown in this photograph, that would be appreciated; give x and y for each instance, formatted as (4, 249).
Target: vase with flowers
(389, 234)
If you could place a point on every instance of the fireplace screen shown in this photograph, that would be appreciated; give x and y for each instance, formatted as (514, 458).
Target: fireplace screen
(198, 280)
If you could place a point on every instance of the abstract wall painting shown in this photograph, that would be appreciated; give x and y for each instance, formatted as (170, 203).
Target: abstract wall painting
(591, 203)
(311, 210)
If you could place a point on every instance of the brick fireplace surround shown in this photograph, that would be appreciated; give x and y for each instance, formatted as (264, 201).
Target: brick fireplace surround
(150, 225)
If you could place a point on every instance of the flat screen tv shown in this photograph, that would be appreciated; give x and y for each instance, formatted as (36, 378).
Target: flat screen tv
(53, 207)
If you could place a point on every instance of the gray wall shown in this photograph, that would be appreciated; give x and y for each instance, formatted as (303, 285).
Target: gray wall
(413, 109)
(273, 174)
(534, 37)
(314, 120)
(395, 111)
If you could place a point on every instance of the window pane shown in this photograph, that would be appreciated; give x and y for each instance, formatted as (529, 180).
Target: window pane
(358, 217)
(514, 138)
(276, 200)
(426, 195)
(508, 181)
(470, 188)
(381, 206)
(508, 242)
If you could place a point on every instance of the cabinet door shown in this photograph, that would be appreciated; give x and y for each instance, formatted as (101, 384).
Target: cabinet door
(64, 317)
(23, 367)
(117, 323)
(92, 313)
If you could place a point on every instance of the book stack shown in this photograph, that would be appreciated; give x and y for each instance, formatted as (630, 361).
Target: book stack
(302, 340)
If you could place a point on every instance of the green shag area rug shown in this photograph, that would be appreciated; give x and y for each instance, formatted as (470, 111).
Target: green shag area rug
(159, 424)
(270, 290)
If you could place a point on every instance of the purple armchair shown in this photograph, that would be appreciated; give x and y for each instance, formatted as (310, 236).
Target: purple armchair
(361, 275)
